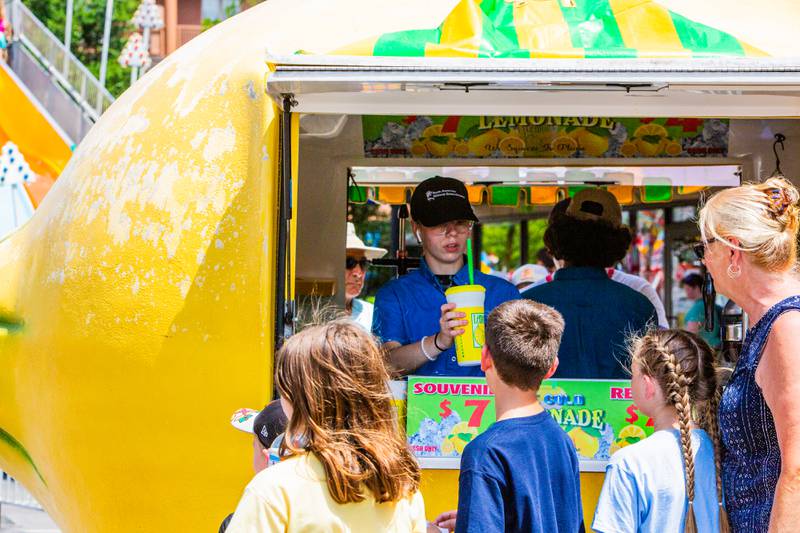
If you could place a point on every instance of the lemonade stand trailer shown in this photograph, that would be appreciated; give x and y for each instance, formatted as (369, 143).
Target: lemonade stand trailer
(344, 89)
(137, 306)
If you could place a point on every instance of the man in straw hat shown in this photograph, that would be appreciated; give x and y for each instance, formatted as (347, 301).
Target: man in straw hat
(358, 257)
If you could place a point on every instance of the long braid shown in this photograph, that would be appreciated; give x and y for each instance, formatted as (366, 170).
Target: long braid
(678, 395)
(712, 428)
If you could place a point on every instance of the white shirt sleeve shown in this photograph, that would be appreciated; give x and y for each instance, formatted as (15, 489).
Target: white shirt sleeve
(650, 292)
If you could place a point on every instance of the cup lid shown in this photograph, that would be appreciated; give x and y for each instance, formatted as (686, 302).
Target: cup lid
(458, 289)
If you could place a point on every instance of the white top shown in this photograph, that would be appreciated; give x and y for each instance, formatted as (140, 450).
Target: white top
(643, 286)
(362, 314)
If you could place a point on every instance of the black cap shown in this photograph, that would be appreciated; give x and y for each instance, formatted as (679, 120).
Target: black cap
(439, 200)
(270, 423)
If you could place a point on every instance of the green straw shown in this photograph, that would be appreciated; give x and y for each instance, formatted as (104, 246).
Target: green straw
(470, 262)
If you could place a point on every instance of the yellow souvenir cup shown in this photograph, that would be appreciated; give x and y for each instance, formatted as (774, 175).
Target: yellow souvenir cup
(469, 300)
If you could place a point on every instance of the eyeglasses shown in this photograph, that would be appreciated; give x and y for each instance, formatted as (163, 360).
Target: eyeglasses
(700, 248)
(459, 226)
(351, 262)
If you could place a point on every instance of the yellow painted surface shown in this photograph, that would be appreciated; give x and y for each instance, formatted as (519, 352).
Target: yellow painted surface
(143, 285)
(440, 490)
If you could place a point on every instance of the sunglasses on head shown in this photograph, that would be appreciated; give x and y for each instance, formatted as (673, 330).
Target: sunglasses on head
(351, 262)
(700, 248)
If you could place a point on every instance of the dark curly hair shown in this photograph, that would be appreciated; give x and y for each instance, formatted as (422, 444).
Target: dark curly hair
(585, 243)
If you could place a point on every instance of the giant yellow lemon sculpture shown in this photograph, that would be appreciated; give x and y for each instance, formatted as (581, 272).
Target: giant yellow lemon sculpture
(136, 305)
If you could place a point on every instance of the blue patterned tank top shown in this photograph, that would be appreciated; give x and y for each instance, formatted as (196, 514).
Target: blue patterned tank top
(751, 457)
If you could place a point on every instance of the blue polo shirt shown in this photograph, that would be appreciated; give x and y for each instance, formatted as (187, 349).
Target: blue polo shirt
(409, 307)
(599, 316)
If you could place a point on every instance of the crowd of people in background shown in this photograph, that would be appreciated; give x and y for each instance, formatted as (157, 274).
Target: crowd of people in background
(717, 460)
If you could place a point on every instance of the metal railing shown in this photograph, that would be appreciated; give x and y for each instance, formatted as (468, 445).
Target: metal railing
(62, 65)
(12, 493)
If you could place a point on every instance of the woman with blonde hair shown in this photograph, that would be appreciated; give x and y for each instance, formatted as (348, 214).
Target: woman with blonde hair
(750, 249)
(346, 465)
(674, 382)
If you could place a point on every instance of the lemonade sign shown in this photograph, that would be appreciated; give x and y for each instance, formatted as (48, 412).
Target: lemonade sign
(543, 137)
(445, 414)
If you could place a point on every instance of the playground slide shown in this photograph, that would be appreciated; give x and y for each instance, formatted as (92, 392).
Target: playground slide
(27, 124)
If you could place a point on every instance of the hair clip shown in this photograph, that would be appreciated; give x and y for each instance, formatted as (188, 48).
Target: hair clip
(778, 200)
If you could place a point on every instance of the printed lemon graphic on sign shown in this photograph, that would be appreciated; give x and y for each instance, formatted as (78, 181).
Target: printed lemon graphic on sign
(651, 139)
(549, 390)
(460, 435)
(631, 431)
(538, 140)
(627, 436)
(586, 445)
(418, 149)
(628, 149)
(591, 144)
(432, 131)
(484, 144)
(440, 145)
(564, 146)
(674, 148)
(447, 446)
(462, 149)
(512, 146)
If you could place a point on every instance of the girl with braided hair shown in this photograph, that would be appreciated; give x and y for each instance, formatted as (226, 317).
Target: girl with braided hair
(674, 383)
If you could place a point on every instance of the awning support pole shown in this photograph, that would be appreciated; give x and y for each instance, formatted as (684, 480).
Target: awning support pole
(284, 310)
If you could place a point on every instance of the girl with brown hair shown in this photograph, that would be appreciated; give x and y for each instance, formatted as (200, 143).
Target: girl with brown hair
(674, 383)
(347, 468)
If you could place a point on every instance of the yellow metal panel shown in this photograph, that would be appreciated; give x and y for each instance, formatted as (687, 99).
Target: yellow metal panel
(440, 490)
(295, 184)
(645, 25)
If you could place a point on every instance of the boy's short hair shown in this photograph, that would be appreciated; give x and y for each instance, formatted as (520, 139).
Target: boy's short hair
(523, 338)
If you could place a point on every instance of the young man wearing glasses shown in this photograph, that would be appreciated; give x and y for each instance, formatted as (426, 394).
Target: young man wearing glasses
(412, 317)
(358, 257)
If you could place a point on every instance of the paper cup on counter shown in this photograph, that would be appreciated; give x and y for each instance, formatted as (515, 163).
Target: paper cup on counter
(469, 300)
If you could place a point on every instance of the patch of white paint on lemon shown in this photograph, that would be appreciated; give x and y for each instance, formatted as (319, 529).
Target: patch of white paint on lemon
(220, 141)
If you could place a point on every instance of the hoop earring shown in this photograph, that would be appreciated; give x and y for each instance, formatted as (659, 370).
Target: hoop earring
(733, 274)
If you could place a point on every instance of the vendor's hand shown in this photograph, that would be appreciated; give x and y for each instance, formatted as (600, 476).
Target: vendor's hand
(447, 520)
(451, 324)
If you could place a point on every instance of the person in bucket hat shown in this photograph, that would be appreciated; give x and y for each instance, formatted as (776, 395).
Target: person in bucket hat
(357, 262)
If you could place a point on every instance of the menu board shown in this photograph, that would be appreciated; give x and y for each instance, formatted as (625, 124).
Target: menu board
(543, 137)
(445, 414)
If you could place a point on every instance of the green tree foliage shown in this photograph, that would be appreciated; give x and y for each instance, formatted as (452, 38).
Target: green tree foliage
(502, 240)
(87, 33)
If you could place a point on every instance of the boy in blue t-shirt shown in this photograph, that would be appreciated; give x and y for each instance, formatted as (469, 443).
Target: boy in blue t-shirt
(522, 473)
